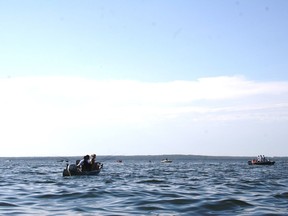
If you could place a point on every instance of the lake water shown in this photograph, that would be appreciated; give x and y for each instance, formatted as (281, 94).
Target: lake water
(142, 185)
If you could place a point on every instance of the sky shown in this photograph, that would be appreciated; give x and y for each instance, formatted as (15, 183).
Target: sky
(143, 77)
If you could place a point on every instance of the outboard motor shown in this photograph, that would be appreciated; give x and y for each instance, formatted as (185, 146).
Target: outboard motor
(71, 169)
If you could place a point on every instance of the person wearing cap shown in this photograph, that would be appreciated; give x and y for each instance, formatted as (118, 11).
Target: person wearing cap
(92, 159)
(94, 165)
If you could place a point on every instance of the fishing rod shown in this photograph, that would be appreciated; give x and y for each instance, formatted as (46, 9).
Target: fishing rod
(63, 159)
(108, 157)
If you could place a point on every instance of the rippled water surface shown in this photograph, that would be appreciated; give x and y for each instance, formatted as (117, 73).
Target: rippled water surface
(144, 186)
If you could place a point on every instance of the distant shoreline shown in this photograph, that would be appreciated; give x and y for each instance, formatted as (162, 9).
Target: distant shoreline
(144, 156)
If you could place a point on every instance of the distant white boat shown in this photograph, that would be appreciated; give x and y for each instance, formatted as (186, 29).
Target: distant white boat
(166, 161)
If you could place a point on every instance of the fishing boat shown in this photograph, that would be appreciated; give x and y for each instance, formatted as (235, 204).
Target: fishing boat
(73, 170)
(255, 162)
(261, 160)
(166, 161)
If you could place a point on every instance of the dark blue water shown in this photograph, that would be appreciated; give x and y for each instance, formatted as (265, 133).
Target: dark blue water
(145, 186)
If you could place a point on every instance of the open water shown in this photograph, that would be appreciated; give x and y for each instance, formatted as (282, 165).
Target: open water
(142, 185)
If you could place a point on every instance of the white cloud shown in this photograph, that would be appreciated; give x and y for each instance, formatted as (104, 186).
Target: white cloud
(79, 100)
(35, 110)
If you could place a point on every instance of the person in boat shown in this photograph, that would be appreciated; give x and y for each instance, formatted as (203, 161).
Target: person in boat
(94, 165)
(84, 164)
(92, 159)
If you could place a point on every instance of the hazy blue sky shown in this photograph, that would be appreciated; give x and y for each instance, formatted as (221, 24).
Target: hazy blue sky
(143, 77)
